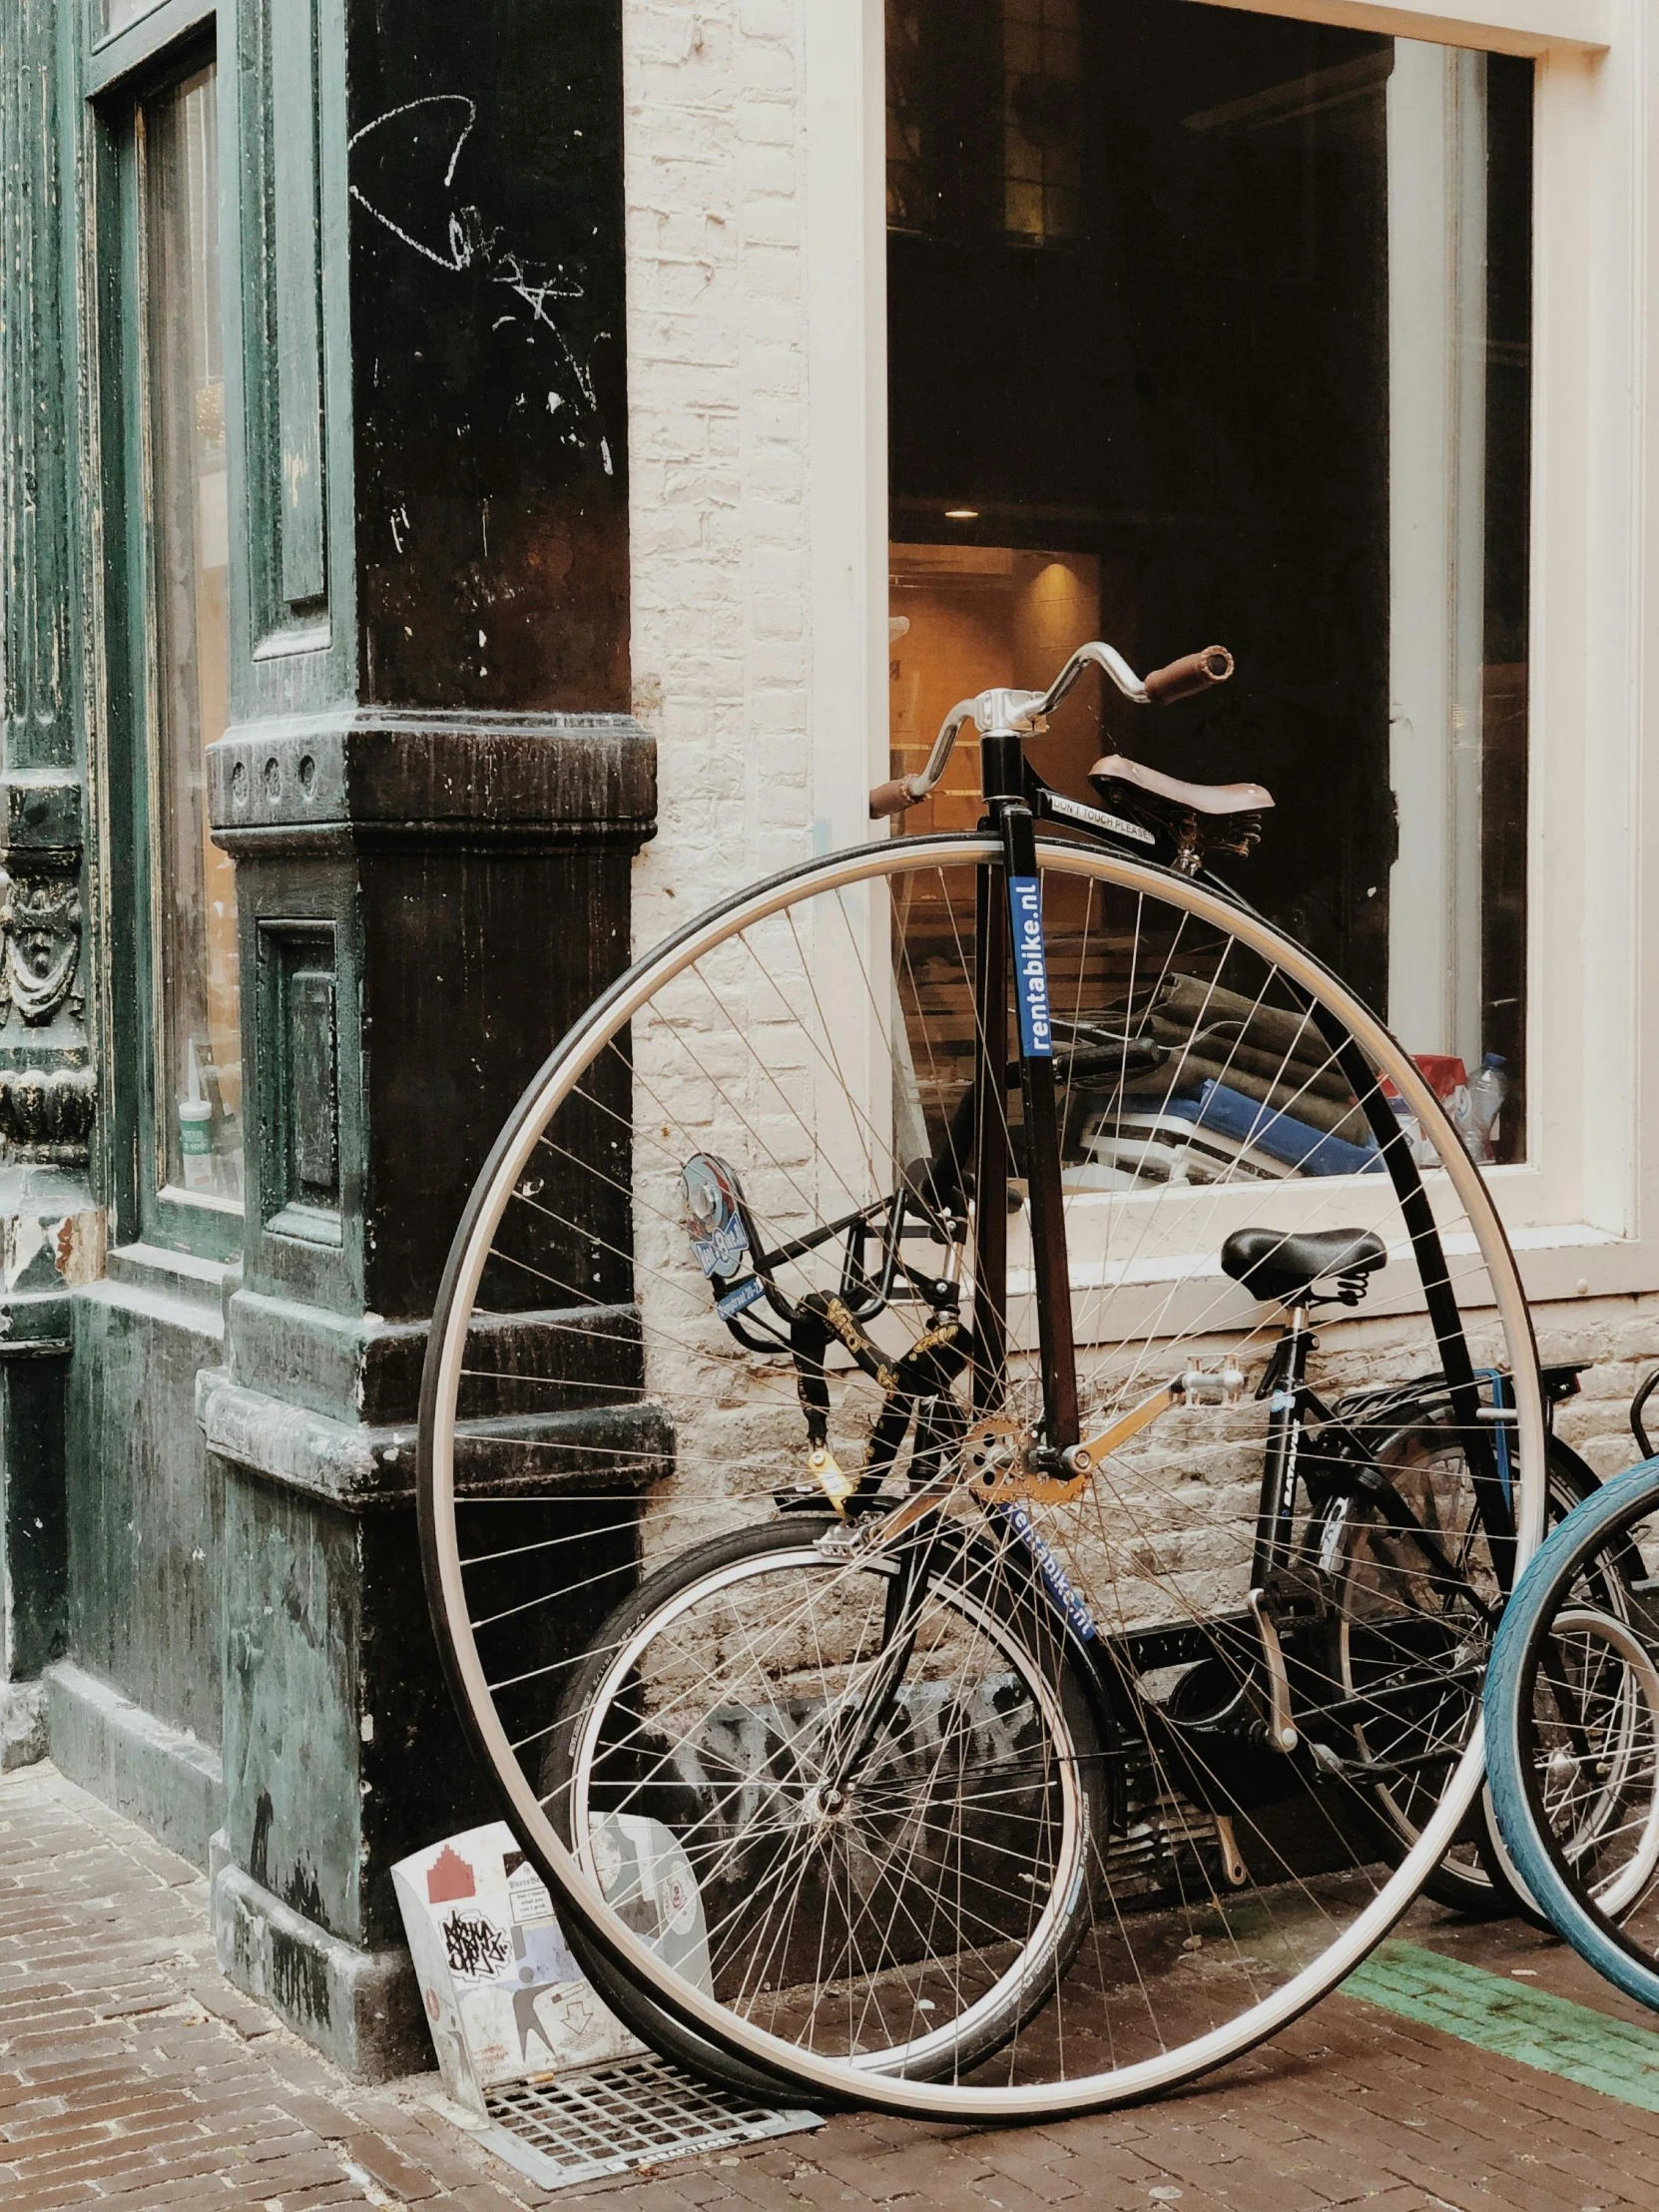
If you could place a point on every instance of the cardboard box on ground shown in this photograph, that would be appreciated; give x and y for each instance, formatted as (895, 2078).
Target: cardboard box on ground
(505, 1999)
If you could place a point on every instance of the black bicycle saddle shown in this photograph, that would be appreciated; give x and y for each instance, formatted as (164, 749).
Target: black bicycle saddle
(1273, 1265)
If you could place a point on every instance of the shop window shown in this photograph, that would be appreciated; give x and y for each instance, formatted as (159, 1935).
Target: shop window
(1230, 339)
(192, 953)
(1041, 84)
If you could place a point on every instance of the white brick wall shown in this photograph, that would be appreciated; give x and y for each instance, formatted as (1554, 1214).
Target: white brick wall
(717, 349)
(717, 353)
(1620, 1337)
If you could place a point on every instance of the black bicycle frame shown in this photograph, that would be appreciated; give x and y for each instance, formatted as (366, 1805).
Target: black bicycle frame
(1276, 1512)
(1335, 1460)
(1015, 931)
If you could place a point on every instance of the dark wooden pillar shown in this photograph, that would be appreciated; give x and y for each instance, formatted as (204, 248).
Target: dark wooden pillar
(432, 795)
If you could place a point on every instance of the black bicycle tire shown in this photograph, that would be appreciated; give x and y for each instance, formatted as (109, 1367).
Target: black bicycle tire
(1527, 1835)
(1498, 1897)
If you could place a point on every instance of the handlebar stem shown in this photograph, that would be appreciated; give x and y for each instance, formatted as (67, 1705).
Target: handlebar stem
(1008, 712)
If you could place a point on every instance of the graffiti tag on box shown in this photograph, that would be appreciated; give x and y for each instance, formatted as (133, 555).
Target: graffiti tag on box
(472, 1945)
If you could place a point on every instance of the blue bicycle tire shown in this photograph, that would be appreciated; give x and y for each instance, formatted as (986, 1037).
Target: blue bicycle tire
(1538, 1597)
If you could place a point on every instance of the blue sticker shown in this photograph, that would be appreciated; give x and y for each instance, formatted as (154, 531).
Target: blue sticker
(1059, 1584)
(1030, 967)
(745, 1294)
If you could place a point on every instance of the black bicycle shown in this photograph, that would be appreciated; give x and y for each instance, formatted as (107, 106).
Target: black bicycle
(952, 1629)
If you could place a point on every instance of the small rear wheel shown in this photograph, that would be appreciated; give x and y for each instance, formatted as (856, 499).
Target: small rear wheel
(892, 1872)
(1412, 1654)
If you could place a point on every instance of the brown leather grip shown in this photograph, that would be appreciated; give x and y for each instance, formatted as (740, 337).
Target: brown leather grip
(1182, 679)
(890, 798)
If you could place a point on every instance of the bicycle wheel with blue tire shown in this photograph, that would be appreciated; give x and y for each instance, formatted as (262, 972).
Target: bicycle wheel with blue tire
(1376, 1630)
(738, 1254)
(1572, 1731)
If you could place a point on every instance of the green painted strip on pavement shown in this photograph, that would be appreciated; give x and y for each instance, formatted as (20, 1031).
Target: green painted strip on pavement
(1530, 2026)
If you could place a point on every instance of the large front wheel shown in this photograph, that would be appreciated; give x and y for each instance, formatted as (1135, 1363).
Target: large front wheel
(760, 1228)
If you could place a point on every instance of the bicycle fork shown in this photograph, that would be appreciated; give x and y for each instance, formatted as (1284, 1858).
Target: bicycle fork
(1015, 929)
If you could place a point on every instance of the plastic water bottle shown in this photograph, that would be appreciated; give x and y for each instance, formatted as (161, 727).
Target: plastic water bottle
(1488, 1092)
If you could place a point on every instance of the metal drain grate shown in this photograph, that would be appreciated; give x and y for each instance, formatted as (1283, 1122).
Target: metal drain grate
(582, 2126)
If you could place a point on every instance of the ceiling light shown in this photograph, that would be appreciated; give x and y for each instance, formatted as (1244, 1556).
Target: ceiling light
(961, 514)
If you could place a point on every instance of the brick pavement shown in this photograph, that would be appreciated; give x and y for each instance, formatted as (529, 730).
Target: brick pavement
(131, 2075)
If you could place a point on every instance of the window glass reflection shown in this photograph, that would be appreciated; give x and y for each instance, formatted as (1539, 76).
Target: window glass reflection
(1206, 324)
(199, 1071)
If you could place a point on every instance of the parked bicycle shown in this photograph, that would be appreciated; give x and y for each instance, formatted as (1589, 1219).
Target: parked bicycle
(970, 1453)
(1572, 1720)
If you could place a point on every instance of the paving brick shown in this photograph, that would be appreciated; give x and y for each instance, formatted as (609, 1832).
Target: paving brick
(197, 2190)
(130, 2077)
(389, 2167)
(324, 2119)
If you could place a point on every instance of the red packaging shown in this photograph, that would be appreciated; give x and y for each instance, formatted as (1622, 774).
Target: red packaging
(1446, 1076)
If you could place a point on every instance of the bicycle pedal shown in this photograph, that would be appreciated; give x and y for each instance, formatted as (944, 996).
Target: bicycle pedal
(1295, 1598)
(1233, 1867)
(1000, 1466)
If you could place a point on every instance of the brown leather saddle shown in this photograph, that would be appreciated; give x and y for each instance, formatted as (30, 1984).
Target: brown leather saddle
(1197, 819)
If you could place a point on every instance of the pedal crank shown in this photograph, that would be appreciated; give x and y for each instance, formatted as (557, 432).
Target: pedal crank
(1281, 1730)
(998, 1462)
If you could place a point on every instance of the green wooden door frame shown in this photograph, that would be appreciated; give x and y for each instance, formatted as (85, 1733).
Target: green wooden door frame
(143, 1206)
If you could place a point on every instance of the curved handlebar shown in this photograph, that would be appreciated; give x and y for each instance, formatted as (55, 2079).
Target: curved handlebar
(1184, 679)
(893, 798)
(1025, 713)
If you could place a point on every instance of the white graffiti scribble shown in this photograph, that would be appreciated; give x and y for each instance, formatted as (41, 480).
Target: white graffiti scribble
(459, 253)
(470, 244)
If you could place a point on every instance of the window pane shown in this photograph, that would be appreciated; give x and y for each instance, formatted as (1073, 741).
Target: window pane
(1204, 325)
(117, 14)
(199, 1071)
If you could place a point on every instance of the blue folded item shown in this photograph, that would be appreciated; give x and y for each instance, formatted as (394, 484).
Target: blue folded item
(1280, 1135)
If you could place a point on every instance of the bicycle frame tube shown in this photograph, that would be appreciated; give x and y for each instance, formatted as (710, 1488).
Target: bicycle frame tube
(1462, 1387)
(1004, 770)
(1276, 1513)
(991, 1146)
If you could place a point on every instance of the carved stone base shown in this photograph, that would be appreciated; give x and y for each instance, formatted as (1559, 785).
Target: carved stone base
(48, 1112)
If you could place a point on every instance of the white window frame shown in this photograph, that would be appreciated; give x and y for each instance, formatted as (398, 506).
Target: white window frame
(1583, 1210)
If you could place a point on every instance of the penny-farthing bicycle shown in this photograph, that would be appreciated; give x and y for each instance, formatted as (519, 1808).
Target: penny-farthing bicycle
(977, 1427)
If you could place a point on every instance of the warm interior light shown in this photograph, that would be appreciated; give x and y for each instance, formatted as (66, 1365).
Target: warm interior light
(961, 514)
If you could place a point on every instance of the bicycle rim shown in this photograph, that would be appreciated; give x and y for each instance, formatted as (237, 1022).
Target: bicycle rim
(1573, 1708)
(585, 1402)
